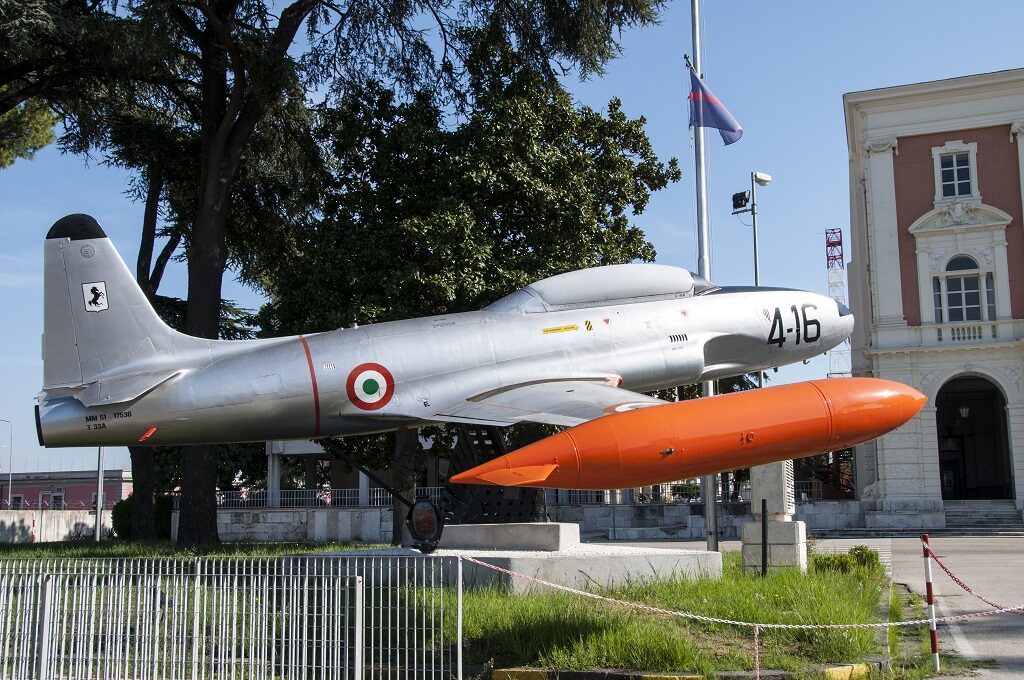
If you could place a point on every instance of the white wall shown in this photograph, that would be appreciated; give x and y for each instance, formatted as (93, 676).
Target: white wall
(19, 526)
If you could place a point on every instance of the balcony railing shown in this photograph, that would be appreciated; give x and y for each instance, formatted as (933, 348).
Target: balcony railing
(965, 333)
(314, 498)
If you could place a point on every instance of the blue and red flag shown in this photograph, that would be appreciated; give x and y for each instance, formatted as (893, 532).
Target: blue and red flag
(707, 111)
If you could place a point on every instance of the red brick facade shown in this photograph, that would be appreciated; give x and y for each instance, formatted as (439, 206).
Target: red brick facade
(998, 176)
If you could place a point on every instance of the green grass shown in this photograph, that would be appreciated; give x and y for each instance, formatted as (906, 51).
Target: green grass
(556, 630)
(143, 549)
(910, 647)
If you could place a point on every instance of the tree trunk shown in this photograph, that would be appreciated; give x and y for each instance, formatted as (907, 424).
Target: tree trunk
(143, 468)
(409, 462)
(207, 256)
(143, 516)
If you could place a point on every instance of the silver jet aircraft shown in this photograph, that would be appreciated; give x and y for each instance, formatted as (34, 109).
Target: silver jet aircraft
(562, 351)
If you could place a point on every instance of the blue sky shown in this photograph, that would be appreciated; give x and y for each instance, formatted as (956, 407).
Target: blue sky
(780, 67)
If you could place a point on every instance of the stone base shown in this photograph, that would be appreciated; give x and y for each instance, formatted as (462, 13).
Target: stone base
(905, 519)
(787, 545)
(587, 566)
(546, 536)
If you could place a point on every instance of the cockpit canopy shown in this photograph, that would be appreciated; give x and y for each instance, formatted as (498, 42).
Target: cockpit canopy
(616, 284)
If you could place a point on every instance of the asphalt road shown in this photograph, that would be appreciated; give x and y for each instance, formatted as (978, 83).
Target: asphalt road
(991, 566)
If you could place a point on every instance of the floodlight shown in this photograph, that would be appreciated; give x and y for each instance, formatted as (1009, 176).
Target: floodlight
(762, 178)
(740, 200)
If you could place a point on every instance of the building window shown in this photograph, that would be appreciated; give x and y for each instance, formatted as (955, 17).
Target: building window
(57, 501)
(17, 502)
(955, 174)
(963, 292)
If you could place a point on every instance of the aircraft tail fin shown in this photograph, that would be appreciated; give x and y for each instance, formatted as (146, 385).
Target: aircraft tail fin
(96, 317)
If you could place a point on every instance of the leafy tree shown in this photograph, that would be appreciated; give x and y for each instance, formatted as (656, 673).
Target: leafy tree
(24, 130)
(437, 220)
(223, 65)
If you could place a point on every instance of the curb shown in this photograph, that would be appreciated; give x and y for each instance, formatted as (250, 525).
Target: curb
(843, 672)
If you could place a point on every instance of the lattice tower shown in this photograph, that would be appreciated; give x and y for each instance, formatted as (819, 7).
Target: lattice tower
(838, 357)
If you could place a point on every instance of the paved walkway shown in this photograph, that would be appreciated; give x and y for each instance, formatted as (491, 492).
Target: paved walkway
(991, 566)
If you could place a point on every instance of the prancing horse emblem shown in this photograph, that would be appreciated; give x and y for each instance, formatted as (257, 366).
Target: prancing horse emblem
(95, 296)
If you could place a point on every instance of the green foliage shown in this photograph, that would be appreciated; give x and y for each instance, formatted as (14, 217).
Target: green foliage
(163, 507)
(568, 632)
(859, 559)
(839, 563)
(25, 130)
(430, 220)
(121, 518)
(866, 558)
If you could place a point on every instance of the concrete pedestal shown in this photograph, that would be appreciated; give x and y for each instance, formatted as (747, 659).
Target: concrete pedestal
(552, 551)
(787, 545)
(536, 536)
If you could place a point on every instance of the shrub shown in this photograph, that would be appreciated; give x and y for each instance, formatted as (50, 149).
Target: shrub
(163, 506)
(866, 558)
(121, 518)
(843, 564)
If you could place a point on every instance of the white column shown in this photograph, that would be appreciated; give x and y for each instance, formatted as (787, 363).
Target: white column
(1016, 128)
(884, 232)
(364, 490)
(274, 474)
(924, 286)
(1002, 276)
(1015, 423)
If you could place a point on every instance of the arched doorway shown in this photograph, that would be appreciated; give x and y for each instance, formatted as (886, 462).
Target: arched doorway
(974, 452)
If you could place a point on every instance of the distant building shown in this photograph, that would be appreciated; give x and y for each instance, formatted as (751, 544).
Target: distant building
(937, 286)
(73, 490)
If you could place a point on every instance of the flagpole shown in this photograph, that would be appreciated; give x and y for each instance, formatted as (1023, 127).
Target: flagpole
(709, 482)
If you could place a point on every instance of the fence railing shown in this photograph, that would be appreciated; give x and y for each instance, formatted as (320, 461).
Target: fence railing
(312, 498)
(28, 504)
(296, 617)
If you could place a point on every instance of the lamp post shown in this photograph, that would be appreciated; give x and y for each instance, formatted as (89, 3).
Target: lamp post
(740, 203)
(99, 492)
(10, 460)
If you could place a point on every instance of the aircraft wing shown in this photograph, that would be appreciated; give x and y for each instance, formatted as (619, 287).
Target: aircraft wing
(553, 402)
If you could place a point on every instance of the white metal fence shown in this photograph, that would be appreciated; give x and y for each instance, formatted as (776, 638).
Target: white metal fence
(295, 617)
(311, 498)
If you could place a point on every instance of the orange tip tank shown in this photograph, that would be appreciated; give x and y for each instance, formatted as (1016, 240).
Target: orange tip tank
(693, 438)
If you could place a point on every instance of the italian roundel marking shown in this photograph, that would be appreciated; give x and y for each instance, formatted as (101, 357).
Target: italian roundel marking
(629, 406)
(370, 386)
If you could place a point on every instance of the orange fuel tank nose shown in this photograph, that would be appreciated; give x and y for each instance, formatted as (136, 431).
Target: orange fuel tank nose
(551, 462)
(866, 408)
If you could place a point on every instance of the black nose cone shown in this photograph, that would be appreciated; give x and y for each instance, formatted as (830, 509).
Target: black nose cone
(76, 227)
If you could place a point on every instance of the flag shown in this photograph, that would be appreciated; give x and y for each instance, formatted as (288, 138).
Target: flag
(707, 111)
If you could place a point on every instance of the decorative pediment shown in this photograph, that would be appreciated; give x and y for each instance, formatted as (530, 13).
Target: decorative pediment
(961, 216)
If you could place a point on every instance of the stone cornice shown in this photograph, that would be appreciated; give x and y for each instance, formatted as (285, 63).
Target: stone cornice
(882, 145)
(951, 347)
(961, 216)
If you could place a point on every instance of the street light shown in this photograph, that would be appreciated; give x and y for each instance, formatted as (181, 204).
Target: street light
(10, 460)
(739, 205)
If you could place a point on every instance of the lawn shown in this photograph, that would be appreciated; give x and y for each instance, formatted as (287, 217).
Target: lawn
(558, 630)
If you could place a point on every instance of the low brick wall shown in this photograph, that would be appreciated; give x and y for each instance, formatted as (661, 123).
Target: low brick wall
(312, 525)
(20, 526)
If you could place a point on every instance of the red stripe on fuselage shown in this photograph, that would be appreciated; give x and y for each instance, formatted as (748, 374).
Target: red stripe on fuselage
(316, 391)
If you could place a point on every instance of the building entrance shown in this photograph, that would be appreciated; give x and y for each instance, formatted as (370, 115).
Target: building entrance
(974, 452)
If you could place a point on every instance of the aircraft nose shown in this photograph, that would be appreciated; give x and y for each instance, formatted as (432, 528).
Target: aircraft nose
(846, 319)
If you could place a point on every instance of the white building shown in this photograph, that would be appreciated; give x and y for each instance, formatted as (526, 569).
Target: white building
(937, 286)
